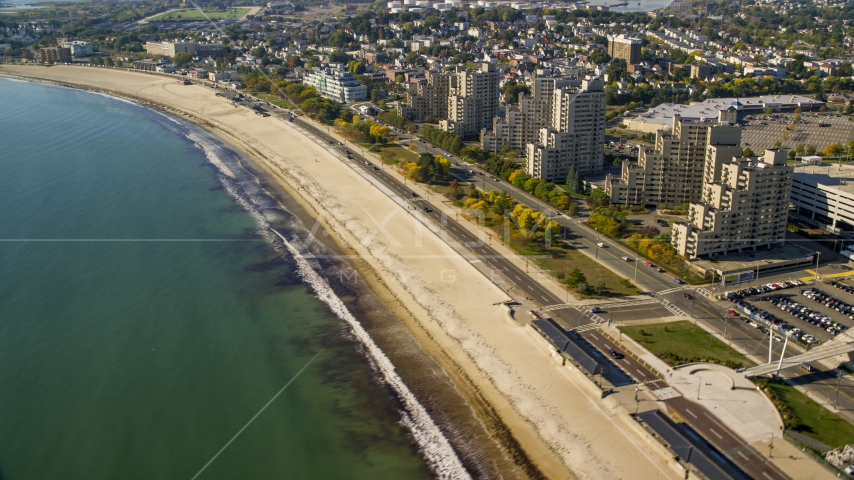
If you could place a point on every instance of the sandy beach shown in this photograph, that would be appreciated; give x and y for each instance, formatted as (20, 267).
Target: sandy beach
(448, 305)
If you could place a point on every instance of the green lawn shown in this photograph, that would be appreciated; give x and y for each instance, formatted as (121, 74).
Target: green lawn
(563, 187)
(274, 99)
(683, 342)
(403, 153)
(194, 14)
(815, 421)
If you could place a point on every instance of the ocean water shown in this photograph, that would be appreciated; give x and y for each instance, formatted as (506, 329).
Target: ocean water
(148, 312)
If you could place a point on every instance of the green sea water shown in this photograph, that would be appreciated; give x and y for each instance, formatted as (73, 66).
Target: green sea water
(144, 320)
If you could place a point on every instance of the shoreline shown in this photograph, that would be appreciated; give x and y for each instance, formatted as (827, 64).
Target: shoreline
(283, 193)
(499, 368)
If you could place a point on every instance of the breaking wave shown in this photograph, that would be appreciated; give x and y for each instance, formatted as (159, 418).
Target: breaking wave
(271, 217)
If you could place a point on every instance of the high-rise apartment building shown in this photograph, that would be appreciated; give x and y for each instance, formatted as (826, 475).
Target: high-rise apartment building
(473, 101)
(627, 48)
(522, 124)
(745, 207)
(672, 172)
(429, 97)
(575, 136)
(55, 55)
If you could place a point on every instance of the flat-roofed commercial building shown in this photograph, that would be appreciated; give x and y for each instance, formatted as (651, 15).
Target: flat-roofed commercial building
(745, 208)
(824, 196)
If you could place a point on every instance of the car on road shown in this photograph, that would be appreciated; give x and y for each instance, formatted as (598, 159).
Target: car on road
(659, 269)
(596, 310)
(732, 313)
(600, 245)
(615, 354)
(376, 168)
(649, 264)
(679, 281)
(627, 259)
(414, 195)
(427, 209)
(367, 163)
(688, 296)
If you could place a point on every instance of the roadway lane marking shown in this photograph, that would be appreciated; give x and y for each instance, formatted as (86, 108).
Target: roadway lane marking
(691, 413)
(716, 434)
(742, 455)
(766, 476)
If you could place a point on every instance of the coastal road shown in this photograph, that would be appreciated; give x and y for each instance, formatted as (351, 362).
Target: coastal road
(722, 438)
(479, 251)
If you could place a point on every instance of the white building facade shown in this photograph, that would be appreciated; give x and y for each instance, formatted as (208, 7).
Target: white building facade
(336, 84)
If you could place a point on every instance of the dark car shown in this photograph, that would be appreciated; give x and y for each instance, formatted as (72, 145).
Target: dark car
(615, 354)
(688, 296)
(427, 209)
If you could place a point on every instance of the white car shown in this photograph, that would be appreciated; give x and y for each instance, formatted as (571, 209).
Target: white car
(600, 245)
(626, 259)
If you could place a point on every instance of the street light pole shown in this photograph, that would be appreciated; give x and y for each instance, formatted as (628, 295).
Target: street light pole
(838, 384)
(635, 279)
(817, 256)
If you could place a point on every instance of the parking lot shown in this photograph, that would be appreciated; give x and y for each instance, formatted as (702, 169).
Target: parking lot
(761, 132)
(818, 317)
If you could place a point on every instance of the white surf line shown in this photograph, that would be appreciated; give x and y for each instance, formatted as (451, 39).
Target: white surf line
(437, 450)
(262, 409)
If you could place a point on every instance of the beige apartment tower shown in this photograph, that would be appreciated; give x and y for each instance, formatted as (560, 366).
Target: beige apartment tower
(473, 101)
(575, 135)
(627, 48)
(523, 123)
(745, 207)
(672, 172)
(429, 100)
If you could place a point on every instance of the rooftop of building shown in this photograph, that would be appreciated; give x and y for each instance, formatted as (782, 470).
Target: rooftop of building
(837, 177)
(709, 108)
(780, 257)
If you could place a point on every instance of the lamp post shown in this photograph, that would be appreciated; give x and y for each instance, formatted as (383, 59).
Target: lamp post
(635, 278)
(771, 446)
(838, 384)
(637, 401)
(597, 244)
(817, 257)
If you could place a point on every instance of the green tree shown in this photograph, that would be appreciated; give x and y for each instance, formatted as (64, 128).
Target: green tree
(183, 59)
(573, 180)
(810, 149)
(575, 277)
(748, 152)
